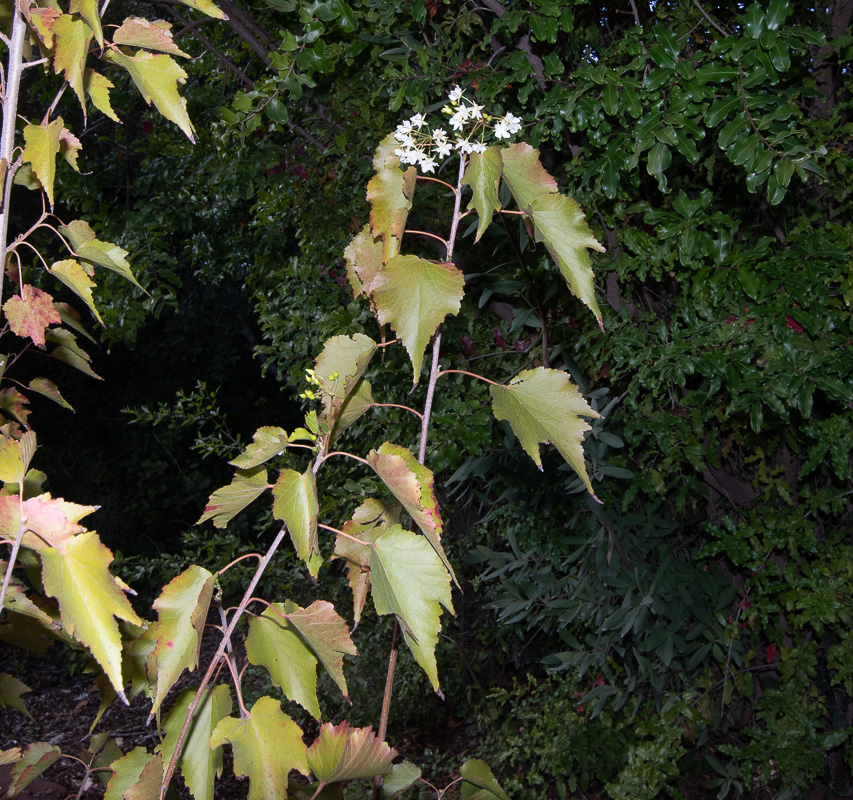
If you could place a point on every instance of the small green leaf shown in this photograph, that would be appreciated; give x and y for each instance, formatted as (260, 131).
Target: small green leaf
(41, 146)
(403, 776)
(266, 443)
(749, 282)
(11, 690)
(483, 176)
(136, 776)
(477, 775)
(225, 503)
(295, 504)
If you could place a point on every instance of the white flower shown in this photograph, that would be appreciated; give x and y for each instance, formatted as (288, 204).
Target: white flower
(404, 139)
(444, 148)
(417, 121)
(458, 120)
(479, 147)
(501, 130)
(428, 164)
(475, 111)
(455, 94)
(439, 134)
(412, 156)
(513, 122)
(464, 146)
(404, 127)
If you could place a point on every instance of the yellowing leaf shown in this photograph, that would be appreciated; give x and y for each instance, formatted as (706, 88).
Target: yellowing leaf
(41, 146)
(77, 575)
(74, 276)
(542, 405)
(18, 602)
(525, 175)
(413, 485)
(206, 7)
(35, 760)
(199, 763)
(139, 32)
(182, 609)
(359, 402)
(414, 296)
(267, 746)
(409, 581)
(53, 521)
(42, 21)
(88, 9)
(72, 39)
(341, 753)
(560, 224)
(11, 690)
(69, 352)
(390, 195)
(15, 404)
(266, 443)
(31, 313)
(136, 776)
(479, 783)
(48, 388)
(339, 368)
(15, 457)
(104, 254)
(370, 520)
(69, 148)
(225, 503)
(295, 504)
(363, 256)
(157, 78)
(483, 175)
(98, 88)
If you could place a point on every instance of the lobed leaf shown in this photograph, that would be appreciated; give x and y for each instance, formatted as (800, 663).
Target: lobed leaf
(295, 504)
(30, 314)
(266, 443)
(136, 776)
(48, 388)
(156, 35)
(524, 174)
(98, 88)
(104, 254)
(389, 193)
(35, 759)
(41, 146)
(341, 753)
(72, 38)
(76, 278)
(225, 503)
(483, 175)
(15, 457)
(363, 256)
(11, 690)
(339, 368)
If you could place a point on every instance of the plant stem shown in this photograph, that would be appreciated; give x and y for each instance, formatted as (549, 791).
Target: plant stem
(220, 652)
(22, 526)
(465, 372)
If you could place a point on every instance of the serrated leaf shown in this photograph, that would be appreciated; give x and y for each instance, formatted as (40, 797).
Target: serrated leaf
(136, 776)
(71, 318)
(483, 175)
(414, 486)
(72, 38)
(225, 503)
(156, 35)
(200, 764)
(389, 193)
(41, 146)
(295, 504)
(31, 313)
(354, 407)
(206, 7)
(15, 457)
(182, 611)
(371, 520)
(339, 368)
(477, 777)
(10, 756)
(542, 405)
(48, 388)
(90, 598)
(289, 642)
(104, 254)
(69, 147)
(341, 753)
(157, 78)
(75, 277)
(363, 256)
(266, 443)
(51, 521)
(525, 175)
(408, 580)
(267, 746)
(15, 404)
(403, 776)
(18, 602)
(11, 690)
(88, 9)
(98, 88)
(35, 760)
(415, 295)
(42, 20)
(561, 226)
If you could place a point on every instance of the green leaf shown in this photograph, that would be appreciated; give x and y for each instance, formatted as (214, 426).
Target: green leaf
(542, 405)
(69, 352)
(390, 195)
(414, 486)
(749, 282)
(354, 407)
(341, 753)
(48, 388)
(157, 78)
(414, 296)
(720, 109)
(98, 88)
(363, 256)
(295, 504)
(104, 254)
(525, 175)
(266, 443)
(88, 9)
(206, 7)
(139, 32)
(267, 746)
(561, 226)
(200, 764)
(659, 159)
(339, 368)
(182, 611)
(403, 776)
(15, 457)
(77, 574)
(289, 642)
(225, 503)
(35, 760)
(41, 146)
(11, 690)
(136, 776)
(409, 581)
(477, 775)
(72, 39)
(75, 277)
(483, 175)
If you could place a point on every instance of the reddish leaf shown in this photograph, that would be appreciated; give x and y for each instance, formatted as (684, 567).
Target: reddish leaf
(770, 655)
(793, 324)
(31, 313)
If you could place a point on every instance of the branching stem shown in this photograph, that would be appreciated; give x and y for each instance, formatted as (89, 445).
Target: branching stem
(237, 560)
(465, 372)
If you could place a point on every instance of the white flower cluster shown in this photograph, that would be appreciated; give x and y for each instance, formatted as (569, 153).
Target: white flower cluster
(425, 147)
